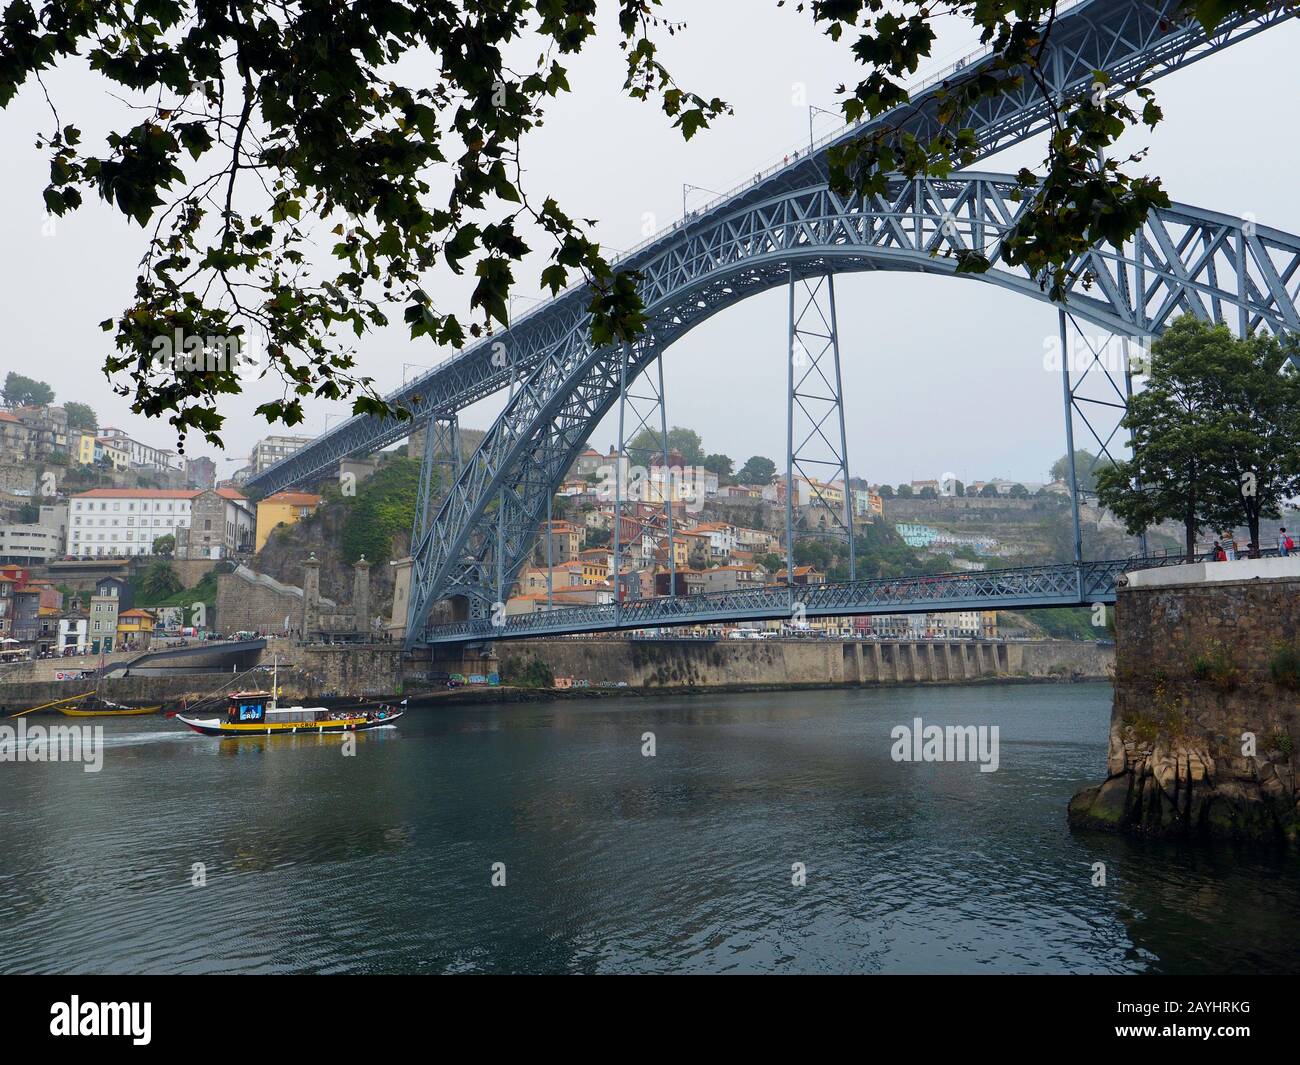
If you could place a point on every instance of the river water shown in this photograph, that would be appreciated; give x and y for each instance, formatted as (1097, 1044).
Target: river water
(617, 862)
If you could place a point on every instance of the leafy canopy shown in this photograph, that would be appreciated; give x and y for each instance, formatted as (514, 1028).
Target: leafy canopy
(1214, 434)
(254, 130)
(257, 126)
(23, 391)
(81, 416)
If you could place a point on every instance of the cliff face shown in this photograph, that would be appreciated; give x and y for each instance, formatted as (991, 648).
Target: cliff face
(1204, 726)
(288, 548)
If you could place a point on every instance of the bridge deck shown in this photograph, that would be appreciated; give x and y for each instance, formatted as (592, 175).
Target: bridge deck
(999, 589)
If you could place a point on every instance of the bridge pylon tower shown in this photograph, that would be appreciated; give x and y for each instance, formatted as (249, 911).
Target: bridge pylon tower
(1098, 373)
(441, 462)
(817, 449)
(643, 414)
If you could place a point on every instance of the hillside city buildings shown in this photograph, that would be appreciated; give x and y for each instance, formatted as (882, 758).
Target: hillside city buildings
(69, 493)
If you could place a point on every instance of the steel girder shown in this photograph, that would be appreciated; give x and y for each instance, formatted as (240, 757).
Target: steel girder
(1182, 259)
(1132, 40)
(1006, 589)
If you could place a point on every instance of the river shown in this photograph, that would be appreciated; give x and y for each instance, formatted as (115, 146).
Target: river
(383, 861)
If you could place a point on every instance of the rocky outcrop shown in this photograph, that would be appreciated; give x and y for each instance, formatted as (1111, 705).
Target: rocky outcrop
(1175, 788)
(1203, 726)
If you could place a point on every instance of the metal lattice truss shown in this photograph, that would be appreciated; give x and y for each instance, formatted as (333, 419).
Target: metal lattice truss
(440, 468)
(644, 411)
(1134, 41)
(1003, 589)
(817, 447)
(1183, 260)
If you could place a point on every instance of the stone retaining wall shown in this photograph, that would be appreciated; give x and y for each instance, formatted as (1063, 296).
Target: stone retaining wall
(741, 663)
(1204, 723)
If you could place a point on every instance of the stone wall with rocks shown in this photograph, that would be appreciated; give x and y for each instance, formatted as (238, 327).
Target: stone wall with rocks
(1204, 725)
(256, 602)
(802, 663)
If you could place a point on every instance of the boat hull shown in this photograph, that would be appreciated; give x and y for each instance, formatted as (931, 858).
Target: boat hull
(286, 728)
(136, 711)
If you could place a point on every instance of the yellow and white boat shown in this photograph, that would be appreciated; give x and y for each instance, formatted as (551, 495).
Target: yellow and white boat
(254, 713)
(258, 713)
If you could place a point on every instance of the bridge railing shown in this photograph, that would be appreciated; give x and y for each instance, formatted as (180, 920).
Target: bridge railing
(1063, 583)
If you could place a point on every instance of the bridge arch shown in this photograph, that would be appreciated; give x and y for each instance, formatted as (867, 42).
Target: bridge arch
(1182, 260)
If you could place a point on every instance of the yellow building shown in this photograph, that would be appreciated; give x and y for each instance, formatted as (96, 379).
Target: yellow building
(134, 628)
(84, 446)
(283, 508)
(112, 450)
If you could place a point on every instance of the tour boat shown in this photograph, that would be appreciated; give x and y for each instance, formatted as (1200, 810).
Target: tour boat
(258, 713)
(255, 713)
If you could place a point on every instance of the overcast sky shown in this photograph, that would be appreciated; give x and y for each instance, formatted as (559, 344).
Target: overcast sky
(940, 373)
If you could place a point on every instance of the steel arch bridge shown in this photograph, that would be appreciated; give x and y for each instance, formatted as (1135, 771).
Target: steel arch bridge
(1133, 41)
(1183, 260)
(787, 227)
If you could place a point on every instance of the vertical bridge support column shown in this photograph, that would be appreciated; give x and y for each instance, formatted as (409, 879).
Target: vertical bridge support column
(1097, 386)
(643, 415)
(817, 450)
(442, 455)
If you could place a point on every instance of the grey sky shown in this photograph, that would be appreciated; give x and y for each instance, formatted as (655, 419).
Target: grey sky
(941, 374)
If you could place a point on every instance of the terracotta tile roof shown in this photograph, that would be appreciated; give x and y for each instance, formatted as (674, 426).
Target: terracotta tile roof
(158, 493)
(291, 499)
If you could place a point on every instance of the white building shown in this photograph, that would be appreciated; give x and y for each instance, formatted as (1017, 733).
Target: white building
(127, 521)
(139, 455)
(30, 543)
(74, 634)
(722, 539)
(271, 449)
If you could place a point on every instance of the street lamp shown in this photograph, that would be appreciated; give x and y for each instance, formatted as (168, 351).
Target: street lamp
(510, 306)
(694, 188)
(813, 109)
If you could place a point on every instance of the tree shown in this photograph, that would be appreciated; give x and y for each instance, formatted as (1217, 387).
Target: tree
(298, 113)
(904, 491)
(1256, 461)
(20, 391)
(989, 491)
(81, 416)
(1018, 491)
(757, 470)
(686, 442)
(160, 581)
(164, 546)
(886, 491)
(928, 492)
(1086, 468)
(719, 464)
(813, 553)
(1189, 425)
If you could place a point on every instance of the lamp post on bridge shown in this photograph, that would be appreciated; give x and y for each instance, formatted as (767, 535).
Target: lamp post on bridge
(693, 188)
(814, 110)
